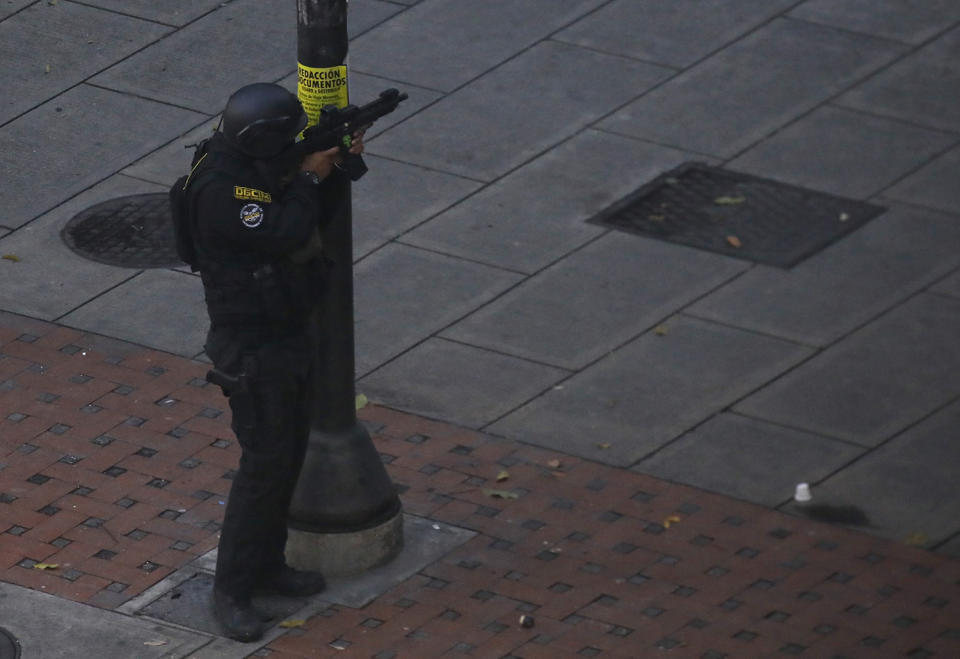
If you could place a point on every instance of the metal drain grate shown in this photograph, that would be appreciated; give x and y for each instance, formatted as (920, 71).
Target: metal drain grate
(132, 232)
(738, 215)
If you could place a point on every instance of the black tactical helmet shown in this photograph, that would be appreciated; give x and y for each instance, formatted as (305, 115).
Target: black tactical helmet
(262, 119)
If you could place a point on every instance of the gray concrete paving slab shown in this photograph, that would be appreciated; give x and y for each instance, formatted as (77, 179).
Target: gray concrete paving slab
(49, 47)
(363, 15)
(49, 627)
(442, 44)
(595, 300)
(642, 396)
(934, 185)
(877, 381)
(496, 124)
(459, 383)
(404, 295)
(72, 142)
(748, 459)
(183, 597)
(424, 542)
(394, 197)
(949, 285)
(199, 66)
(49, 280)
(218, 647)
(160, 309)
(843, 152)
(164, 165)
(832, 293)
(514, 224)
(189, 605)
(908, 486)
(922, 88)
(169, 12)
(10, 7)
(753, 87)
(662, 32)
(910, 22)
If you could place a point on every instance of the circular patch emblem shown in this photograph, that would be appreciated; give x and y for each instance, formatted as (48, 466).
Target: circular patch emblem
(251, 215)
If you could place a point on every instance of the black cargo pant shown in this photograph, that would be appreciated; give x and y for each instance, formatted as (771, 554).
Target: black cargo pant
(271, 419)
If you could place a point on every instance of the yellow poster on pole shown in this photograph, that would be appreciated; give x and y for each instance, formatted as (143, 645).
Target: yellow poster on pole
(319, 87)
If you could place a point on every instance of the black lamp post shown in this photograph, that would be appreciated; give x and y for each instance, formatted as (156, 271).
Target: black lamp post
(344, 502)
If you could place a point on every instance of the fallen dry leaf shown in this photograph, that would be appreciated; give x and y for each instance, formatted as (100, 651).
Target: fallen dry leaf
(672, 519)
(660, 330)
(503, 475)
(155, 643)
(553, 464)
(289, 624)
(11, 257)
(734, 241)
(361, 401)
(46, 566)
(917, 538)
(603, 445)
(729, 201)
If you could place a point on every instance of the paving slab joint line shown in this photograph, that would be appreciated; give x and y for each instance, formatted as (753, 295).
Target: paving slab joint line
(694, 64)
(909, 50)
(684, 311)
(953, 145)
(86, 81)
(889, 201)
(524, 278)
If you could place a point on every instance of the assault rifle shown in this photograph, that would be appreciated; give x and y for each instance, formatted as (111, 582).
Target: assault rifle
(336, 127)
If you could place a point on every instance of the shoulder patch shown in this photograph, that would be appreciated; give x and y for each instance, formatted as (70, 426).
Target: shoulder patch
(251, 194)
(251, 215)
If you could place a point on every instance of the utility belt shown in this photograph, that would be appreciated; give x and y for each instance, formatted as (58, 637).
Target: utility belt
(259, 298)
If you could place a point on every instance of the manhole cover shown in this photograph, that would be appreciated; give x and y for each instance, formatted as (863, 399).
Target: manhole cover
(737, 214)
(9, 645)
(132, 232)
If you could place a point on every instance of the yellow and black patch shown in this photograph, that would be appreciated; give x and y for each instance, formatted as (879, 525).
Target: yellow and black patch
(251, 194)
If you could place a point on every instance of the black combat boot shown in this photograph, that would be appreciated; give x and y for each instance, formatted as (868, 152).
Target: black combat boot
(291, 583)
(237, 617)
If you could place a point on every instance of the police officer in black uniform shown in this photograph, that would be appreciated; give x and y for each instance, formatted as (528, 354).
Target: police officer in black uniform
(254, 234)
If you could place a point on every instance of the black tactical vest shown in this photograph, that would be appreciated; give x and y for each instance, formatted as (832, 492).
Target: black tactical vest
(272, 295)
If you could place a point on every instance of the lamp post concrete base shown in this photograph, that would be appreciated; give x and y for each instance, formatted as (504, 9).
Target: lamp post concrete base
(345, 554)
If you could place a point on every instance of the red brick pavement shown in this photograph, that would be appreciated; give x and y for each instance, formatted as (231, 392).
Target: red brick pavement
(115, 464)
